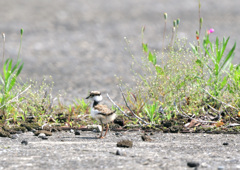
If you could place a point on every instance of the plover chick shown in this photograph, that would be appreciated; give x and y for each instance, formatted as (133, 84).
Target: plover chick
(100, 112)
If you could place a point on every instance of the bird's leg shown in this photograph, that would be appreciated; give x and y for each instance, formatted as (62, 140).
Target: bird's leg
(101, 136)
(106, 130)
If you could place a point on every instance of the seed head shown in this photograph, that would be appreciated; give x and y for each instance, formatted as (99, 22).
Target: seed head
(165, 16)
(3, 36)
(21, 31)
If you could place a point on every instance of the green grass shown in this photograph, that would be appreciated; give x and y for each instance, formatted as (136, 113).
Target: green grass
(191, 77)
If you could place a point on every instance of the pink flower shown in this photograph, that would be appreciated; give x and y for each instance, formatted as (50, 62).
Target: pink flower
(210, 31)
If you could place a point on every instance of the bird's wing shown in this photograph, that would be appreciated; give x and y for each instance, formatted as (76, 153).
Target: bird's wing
(103, 109)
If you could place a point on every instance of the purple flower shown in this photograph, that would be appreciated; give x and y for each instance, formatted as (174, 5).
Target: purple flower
(210, 31)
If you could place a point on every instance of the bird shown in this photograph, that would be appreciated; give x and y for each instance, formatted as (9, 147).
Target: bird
(101, 112)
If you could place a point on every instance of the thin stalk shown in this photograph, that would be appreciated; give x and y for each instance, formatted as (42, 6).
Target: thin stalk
(19, 47)
(173, 33)
(164, 34)
(3, 35)
(165, 29)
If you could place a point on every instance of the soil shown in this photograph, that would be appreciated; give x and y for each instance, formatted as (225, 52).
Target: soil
(81, 45)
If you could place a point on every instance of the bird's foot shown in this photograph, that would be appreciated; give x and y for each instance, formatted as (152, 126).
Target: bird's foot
(101, 137)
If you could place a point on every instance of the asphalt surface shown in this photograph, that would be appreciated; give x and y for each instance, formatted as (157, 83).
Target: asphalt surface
(64, 150)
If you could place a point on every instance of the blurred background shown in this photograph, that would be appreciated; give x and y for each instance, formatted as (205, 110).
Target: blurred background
(81, 43)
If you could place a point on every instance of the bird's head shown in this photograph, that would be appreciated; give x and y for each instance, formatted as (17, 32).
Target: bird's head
(95, 96)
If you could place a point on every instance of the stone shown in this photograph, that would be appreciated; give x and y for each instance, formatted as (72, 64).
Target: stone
(221, 168)
(24, 142)
(19, 132)
(146, 138)
(44, 138)
(118, 152)
(14, 136)
(41, 135)
(118, 134)
(97, 127)
(225, 143)
(125, 144)
(193, 164)
(77, 132)
(47, 133)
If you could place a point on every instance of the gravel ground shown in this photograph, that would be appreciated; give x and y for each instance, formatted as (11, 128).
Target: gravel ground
(64, 150)
(81, 45)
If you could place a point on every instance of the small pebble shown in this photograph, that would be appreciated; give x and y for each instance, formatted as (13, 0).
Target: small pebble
(19, 132)
(125, 144)
(77, 132)
(118, 134)
(146, 138)
(34, 130)
(225, 143)
(99, 128)
(41, 135)
(71, 131)
(24, 142)
(151, 133)
(221, 168)
(118, 152)
(193, 164)
(15, 136)
(44, 138)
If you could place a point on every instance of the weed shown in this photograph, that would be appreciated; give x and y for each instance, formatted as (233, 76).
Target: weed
(8, 78)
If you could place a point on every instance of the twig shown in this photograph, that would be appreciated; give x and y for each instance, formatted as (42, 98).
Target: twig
(215, 110)
(130, 108)
(220, 100)
(16, 96)
(229, 114)
(116, 105)
(184, 114)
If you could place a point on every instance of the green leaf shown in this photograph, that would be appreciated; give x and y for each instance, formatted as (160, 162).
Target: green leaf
(12, 83)
(1, 78)
(199, 62)
(225, 42)
(19, 70)
(159, 70)
(145, 47)
(223, 83)
(152, 58)
(5, 69)
(229, 57)
(194, 49)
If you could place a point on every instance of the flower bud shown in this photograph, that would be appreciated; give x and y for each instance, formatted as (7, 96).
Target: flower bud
(201, 21)
(174, 23)
(21, 31)
(165, 16)
(178, 21)
(197, 35)
(3, 36)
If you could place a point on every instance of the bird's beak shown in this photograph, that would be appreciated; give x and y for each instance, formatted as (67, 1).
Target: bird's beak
(87, 97)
